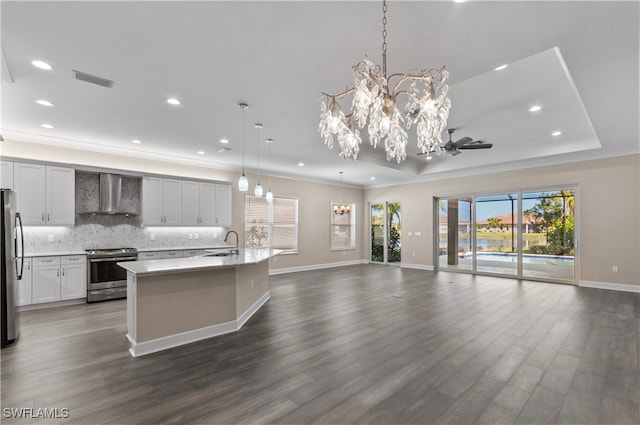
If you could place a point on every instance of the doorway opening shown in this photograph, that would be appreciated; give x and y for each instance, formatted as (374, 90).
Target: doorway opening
(386, 232)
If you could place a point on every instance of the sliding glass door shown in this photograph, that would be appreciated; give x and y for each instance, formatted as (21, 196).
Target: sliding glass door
(519, 234)
(386, 232)
(454, 233)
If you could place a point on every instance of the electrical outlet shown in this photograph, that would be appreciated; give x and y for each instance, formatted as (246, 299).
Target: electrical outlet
(51, 238)
(251, 283)
(614, 269)
(196, 236)
(344, 253)
(418, 233)
(152, 237)
(190, 236)
(414, 254)
(409, 233)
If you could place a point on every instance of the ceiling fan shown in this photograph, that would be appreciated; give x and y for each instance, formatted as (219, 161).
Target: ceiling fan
(454, 148)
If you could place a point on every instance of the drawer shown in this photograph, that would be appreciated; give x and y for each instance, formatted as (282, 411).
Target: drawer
(46, 261)
(149, 256)
(73, 259)
(193, 252)
(172, 254)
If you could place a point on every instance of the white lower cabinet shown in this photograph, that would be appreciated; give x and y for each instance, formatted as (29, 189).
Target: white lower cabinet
(46, 279)
(24, 285)
(193, 252)
(171, 254)
(149, 256)
(73, 279)
(59, 278)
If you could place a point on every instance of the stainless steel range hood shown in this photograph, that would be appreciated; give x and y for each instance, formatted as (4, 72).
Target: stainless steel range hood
(110, 193)
(105, 193)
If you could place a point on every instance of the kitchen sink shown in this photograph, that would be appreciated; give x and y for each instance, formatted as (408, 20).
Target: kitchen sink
(218, 254)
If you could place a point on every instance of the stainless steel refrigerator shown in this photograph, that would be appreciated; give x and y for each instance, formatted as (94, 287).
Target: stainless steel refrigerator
(12, 266)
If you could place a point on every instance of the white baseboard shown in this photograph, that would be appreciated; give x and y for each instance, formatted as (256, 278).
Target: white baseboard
(315, 267)
(417, 266)
(251, 310)
(51, 304)
(610, 286)
(147, 347)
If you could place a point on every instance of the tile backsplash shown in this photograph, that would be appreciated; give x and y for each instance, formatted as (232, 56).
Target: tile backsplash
(115, 232)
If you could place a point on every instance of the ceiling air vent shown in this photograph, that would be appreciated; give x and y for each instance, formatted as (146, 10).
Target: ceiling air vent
(93, 79)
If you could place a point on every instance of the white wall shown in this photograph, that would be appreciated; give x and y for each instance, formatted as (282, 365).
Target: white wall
(314, 198)
(608, 208)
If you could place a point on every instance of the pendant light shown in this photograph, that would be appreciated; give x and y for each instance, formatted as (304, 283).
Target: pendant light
(243, 182)
(343, 208)
(269, 195)
(258, 190)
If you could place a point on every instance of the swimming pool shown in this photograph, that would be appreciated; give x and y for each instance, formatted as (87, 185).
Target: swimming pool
(526, 258)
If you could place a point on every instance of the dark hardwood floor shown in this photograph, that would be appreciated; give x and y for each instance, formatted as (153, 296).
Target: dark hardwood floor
(358, 344)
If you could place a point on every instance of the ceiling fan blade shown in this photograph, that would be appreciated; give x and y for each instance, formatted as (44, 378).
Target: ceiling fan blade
(462, 142)
(478, 144)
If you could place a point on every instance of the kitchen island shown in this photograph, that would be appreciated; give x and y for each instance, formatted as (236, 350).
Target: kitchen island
(172, 302)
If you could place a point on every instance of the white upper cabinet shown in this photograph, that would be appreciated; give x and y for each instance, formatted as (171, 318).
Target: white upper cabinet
(208, 204)
(172, 201)
(61, 189)
(161, 201)
(223, 205)
(198, 203)
(190, 203)
(152, 201)
(45, 195)
(6, 178)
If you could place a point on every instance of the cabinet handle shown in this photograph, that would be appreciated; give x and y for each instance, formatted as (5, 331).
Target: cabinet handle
(42, 216)
(48, 217)
(58, 272)
(62, 272)
(46, 261)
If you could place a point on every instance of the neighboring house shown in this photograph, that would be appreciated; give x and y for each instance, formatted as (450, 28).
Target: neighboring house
(530, 223)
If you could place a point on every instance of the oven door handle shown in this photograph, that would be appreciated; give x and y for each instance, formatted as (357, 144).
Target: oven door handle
(113, 260)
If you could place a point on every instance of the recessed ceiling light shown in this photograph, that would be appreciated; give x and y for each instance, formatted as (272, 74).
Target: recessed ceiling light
(224, 141)
(136, 141)
(535, 108)
(46, 126)
(173, 101)
(372, 178)
(429, 157)
(41, 65)
(269, 141)
(44, 102)
(300, 164)
(501, 67)
(459, 1)
(556, 133)
(200, 152)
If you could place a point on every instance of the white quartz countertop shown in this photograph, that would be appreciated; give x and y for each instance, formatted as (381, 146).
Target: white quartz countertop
(54, 253)
(185, 248)
(202, 262)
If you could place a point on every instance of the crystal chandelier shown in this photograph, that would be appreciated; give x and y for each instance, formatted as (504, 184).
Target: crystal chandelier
(375, 100)
(343, 208)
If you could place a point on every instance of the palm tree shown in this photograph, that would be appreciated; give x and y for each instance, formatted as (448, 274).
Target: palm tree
(494, 222)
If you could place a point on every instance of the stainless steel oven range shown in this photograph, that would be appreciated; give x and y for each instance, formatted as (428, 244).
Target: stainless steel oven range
(106, 280)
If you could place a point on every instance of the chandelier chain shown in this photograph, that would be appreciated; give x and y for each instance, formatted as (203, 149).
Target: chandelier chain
(384, 38)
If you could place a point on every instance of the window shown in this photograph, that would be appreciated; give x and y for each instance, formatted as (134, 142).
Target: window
(272, 225)
(343, 226)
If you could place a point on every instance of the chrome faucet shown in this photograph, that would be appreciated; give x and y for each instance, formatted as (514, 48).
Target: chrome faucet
(233, 251)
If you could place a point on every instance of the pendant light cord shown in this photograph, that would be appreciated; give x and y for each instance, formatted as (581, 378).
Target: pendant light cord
(384, 38)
